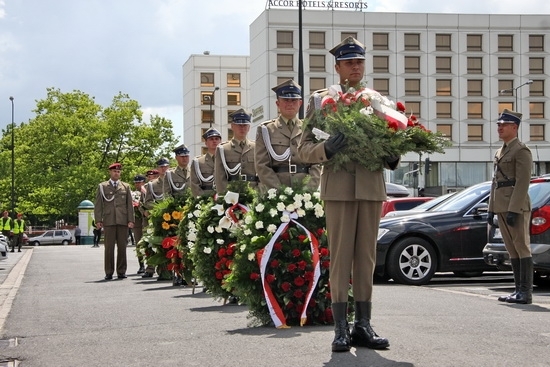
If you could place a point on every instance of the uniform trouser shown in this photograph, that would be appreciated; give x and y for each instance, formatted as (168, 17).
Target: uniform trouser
(119, 235)
(352, 228)
(138, 233)
(516, 238)
(17, 241)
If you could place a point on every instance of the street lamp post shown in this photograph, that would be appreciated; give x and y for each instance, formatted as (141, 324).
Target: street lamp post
(12, 159)
(515, 92)
(211, 102)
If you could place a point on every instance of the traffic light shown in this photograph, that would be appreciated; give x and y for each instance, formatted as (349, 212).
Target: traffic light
(427, 166)
(415, 169)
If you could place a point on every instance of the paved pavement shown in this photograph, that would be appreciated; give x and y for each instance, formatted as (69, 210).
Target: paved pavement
(60, 312)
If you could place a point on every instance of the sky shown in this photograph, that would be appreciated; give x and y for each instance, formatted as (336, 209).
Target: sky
(138, 47)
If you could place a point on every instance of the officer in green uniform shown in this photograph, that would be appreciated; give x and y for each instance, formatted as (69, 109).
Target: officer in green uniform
(276, 153)
(202, 167)
(235, 159)
(510, 201)
(353, 199)
(178, 178)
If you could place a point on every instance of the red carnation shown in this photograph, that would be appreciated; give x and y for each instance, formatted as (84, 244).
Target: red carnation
(320, 232)
(393, 125)
(302, 265)
(325, 264)
(400, 107)
(228, 264)
(286, 286)
(323, 251)
(298, 293)
(274, 263)
(219, 275)
(278, 246)
(285, 236)
(221, 252)
(299, 281)
(309, 276)
(270, 278)
(290, 305)
(296, 253)
(302, 237)
(254, 276)
(291, 267)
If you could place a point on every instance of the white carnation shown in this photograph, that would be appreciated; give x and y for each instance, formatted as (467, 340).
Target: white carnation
(207, 250)
(272, 228)
(290, 208)
(251, 256)
(220, 241)
(218, 229)
(247, 232)
(288, 190)
(242, 248)
(285, 218)
(210, 229)
(197, 213)
(273, 212)
(307, 197)
(260, 208)
(281, 207)
(308, 205)
(248, 219)
(271, 193)
(259, 224)
(301, 212)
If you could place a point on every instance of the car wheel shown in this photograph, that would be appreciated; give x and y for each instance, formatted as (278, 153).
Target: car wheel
(412, 261)
(65, 242)
(35, 243)
(468, 274)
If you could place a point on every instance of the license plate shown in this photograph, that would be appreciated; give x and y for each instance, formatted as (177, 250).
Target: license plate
(497, 234)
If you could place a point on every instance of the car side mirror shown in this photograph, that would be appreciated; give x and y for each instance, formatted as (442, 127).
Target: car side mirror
(480, 209)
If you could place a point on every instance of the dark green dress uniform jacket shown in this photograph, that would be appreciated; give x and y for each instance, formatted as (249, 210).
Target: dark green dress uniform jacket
(234, 154)
(118, 211)
(202, 166)
(178, 179)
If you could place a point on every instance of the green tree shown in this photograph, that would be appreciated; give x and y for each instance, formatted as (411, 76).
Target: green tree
(63, 153)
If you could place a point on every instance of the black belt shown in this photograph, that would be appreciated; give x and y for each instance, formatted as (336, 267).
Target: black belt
(243, 178)
(207, 187)
(506, 183)
(292, 168)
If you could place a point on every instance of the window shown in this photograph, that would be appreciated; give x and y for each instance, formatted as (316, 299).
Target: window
(412, 64)
(537, 88)
(317, 40)
(475, 132)
(229, 133)
(443, 110)
(536, 110)
(505, 42)
(475, 87)
(506, 87)
(207, 98)
(443, 65)
(233, 80)
(442, 42)
(234, 98)
(204, 150)
(536, 132)
(474, 42)
(505, 105)
(446, 130)
(536, 43)
(207, 116)
(316, 84)
(412, 87)
(285, 62)
(443, 87)
(380, 64)
(505, 65)
(348, 34)
(284, 39)
(536, 65)
(474, 65)
(413, 108)
(281, 79)
(382, 86)
(475, 110)
(380, 41)
(207, 79)
(317, 63)
(412, 41)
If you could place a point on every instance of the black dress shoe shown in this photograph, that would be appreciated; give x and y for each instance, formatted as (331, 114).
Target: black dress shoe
(147, 275)
(121, 276)
(108, 277)
(141, 270)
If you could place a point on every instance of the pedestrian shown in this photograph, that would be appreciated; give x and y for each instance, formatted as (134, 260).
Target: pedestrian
(5, 225)
(509, 200)
(18, 232)
(276, 148)
(97, 233)
(178, 178)
(77, 235)
(114, 212)
(235, 159)
(353, 198)
(202, 167)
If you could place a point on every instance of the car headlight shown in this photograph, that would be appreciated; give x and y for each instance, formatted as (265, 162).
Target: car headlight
(381, 233)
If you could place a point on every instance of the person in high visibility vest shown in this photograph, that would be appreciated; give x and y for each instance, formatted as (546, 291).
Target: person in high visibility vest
(18, 230)
(5, 224)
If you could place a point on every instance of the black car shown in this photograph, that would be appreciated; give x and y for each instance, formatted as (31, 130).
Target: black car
(450, 237)
(495, 253)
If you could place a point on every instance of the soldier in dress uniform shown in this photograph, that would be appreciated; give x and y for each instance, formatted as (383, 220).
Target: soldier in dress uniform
(138, 198)
(202, 167)
(235, 159)
(150, 176)
(276, 153)
(114, 212)
(353, 198)
(509, 200)
(178, 178)
(158, 188)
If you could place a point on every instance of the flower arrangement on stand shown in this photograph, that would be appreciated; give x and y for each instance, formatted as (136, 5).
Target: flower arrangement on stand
(376, 127)
(281, 265)
(187, 233)
(160, 238)
(214, 248)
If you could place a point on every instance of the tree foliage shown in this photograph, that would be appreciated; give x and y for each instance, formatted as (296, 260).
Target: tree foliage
(63, 153)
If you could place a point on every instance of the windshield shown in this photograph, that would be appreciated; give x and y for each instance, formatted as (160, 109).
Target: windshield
(464, 197)
(432, 203)
(539, 193)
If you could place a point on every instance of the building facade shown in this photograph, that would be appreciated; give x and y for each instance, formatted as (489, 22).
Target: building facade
(455, 72)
